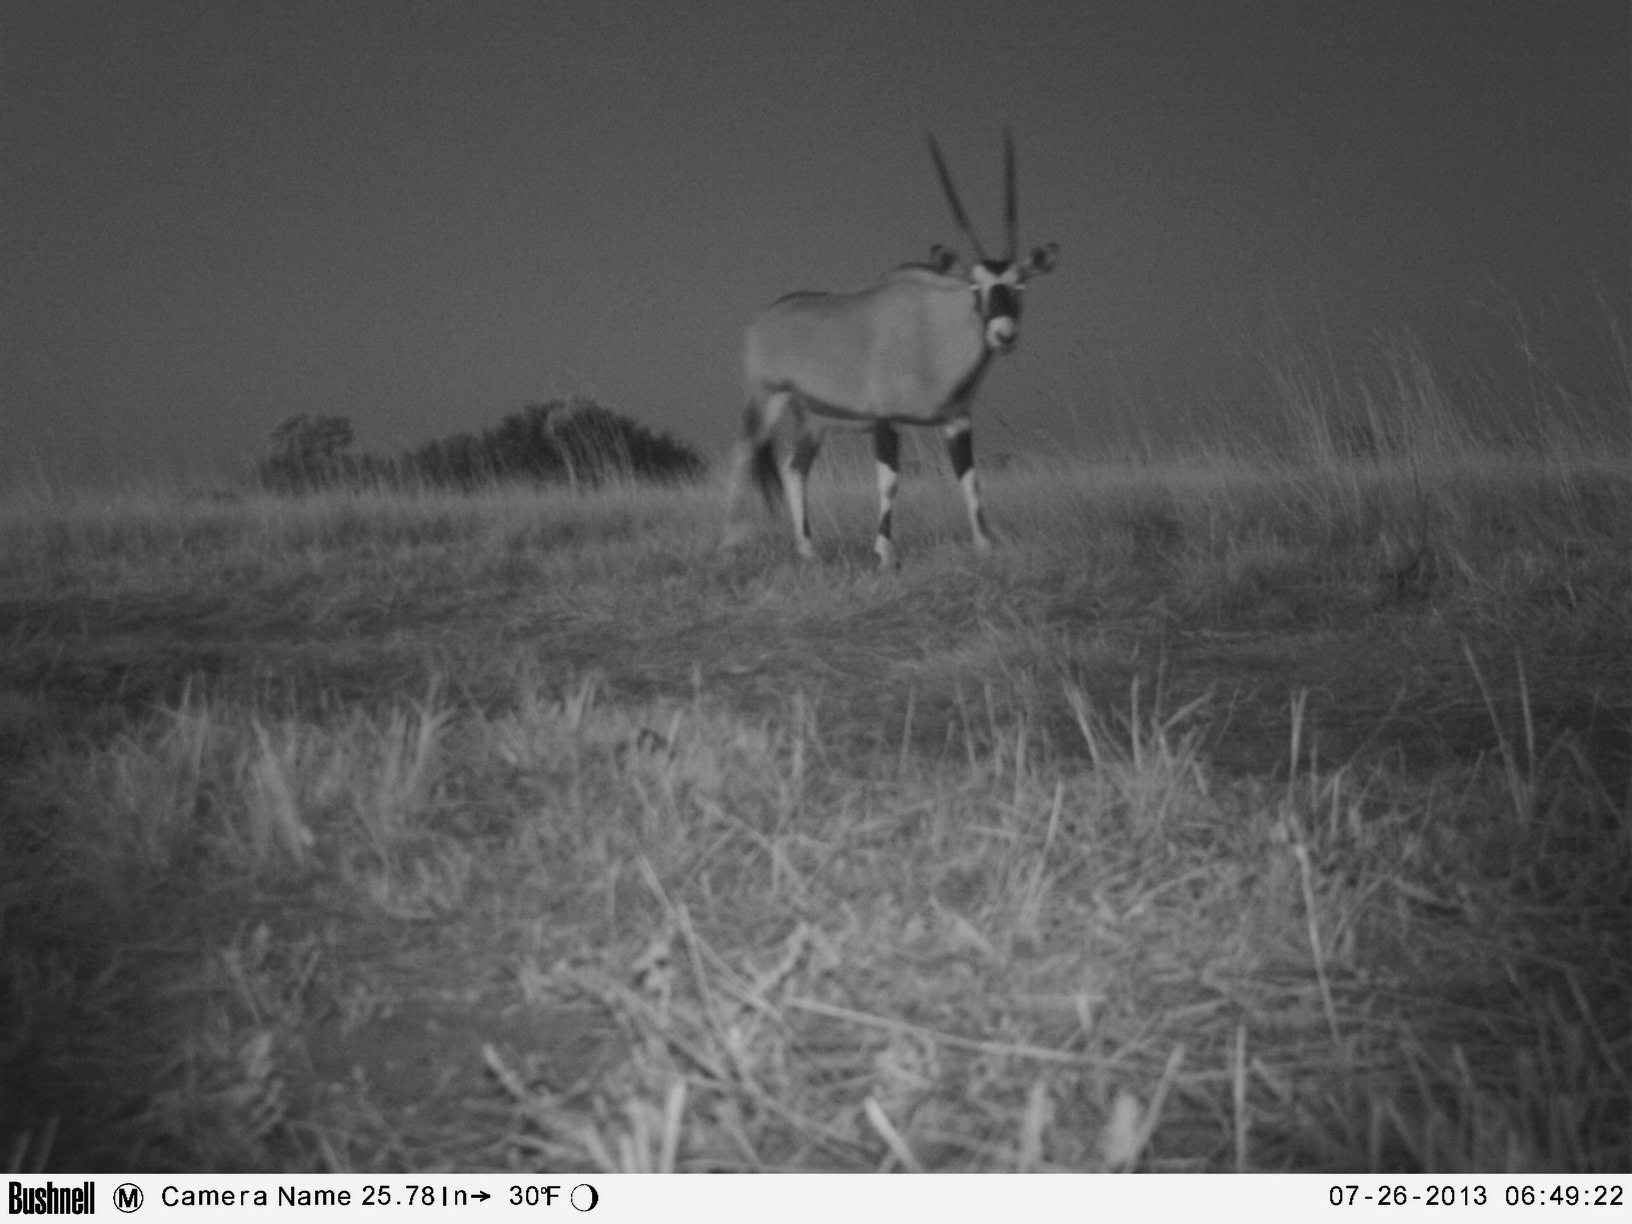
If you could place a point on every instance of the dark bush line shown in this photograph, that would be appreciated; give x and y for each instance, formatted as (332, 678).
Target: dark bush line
(576, 443)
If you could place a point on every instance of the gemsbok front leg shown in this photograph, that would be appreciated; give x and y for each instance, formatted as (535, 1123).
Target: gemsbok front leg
(960, 444)
(887, 451)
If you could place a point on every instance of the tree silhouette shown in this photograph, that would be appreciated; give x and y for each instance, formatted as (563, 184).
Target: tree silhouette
(577, 443)
(307, 452)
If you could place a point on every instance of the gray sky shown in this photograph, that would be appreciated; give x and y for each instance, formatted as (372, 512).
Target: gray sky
(426, 215)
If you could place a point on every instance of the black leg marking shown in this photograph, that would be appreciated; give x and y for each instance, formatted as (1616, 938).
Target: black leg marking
(765, 472)
(961, 446)
(887, 446)
(804, 453)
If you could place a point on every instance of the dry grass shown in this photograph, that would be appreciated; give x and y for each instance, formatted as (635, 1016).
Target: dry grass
(1233, 816)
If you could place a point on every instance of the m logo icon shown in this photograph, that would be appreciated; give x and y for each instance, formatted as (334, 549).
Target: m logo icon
(127, 1196)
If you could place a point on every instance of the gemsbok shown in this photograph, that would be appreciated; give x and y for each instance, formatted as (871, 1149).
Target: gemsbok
(909, 351)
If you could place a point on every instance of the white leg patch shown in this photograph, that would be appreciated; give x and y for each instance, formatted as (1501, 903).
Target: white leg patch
(977, 517)
(793, 484)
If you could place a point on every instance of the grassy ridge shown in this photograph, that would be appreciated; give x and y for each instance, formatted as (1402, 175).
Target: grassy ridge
(1232, 816)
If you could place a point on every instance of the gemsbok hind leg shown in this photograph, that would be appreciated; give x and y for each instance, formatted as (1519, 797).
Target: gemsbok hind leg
(752, 457)
(795, 476)
(961, 446)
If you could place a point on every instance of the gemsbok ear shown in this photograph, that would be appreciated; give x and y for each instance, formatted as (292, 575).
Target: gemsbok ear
(942, 259)
(1042, 259)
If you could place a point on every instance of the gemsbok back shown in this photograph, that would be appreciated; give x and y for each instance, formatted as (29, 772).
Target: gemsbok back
(909, 351)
